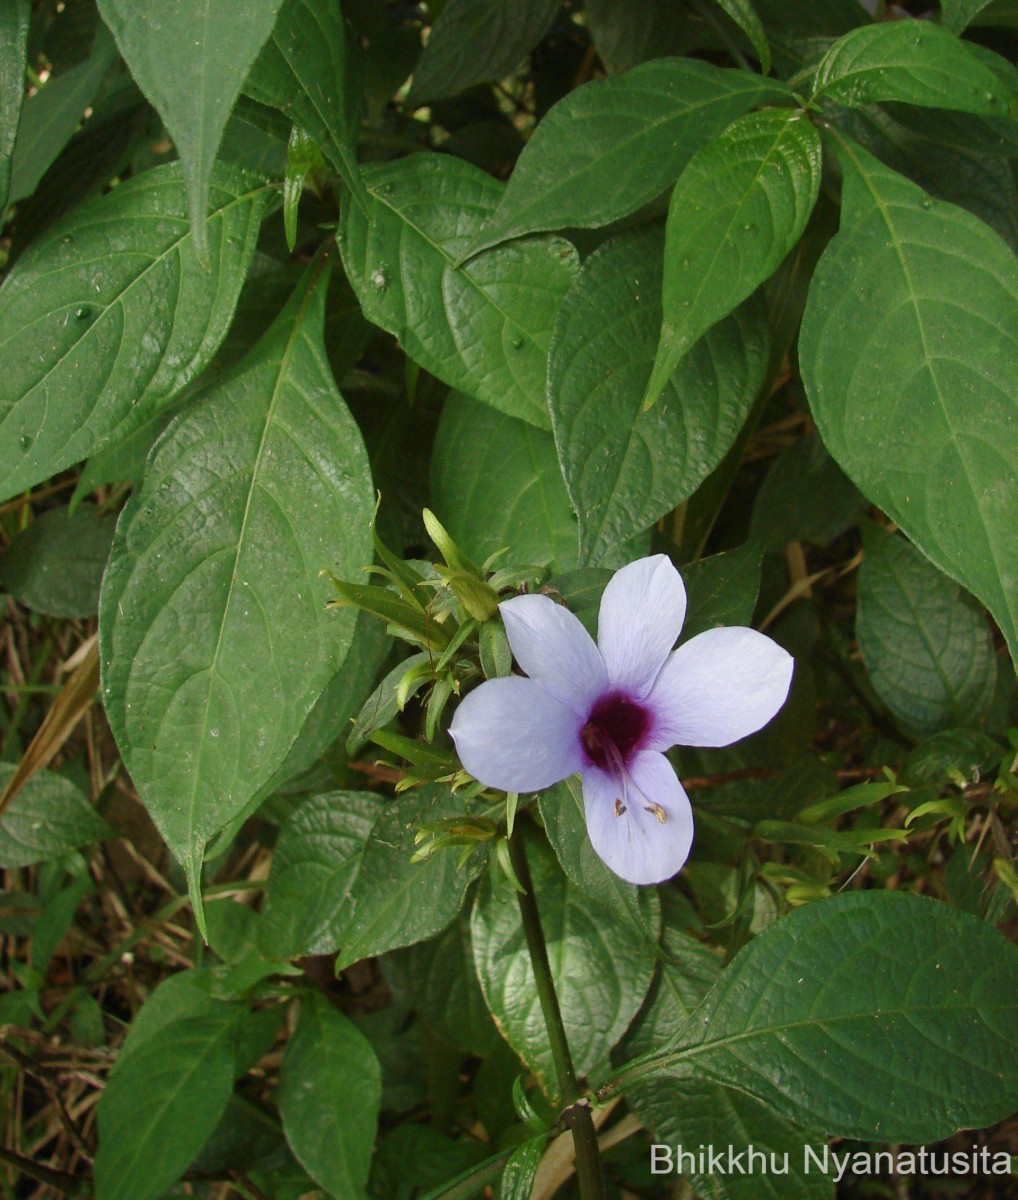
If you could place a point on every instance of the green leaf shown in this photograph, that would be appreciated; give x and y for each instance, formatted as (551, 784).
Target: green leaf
(495, 654)
(628, 34)
(404, 619)
(625, 468)
(397, 902)
(926, 646)
(14, 20)
(936, 758)
(55, 566)
(519, 1173)
(384, 702)
(446, 992)
(721, 590)
(965, 175)
(761, 1155)
(946, 350)
(244, 1140)
(737, 210)
(688, 970)
(121, 314)
(123, 460)
(414, 1157)
(609, 147)
(601, 972)
(214, 638)
(46, 818)
(337, 704)
(915, 62)
(314, 864)
(190, 59)
(779, 515)
(330, 1090)
(474, 41)
(302, 71)
(837, 841)
(810, 18)
(162, 1101)
(50, 116)
(256, 139)
(496, 483)
(956, 15)
(637, 909)
(851, 1012)
(746, 17)
(186, 994)
(484, 328)
(60, 904)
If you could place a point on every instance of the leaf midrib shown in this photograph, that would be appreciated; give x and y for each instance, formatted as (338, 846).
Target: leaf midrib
(929, 364)
(520, 225)
(294, 336)
(773, 151)
(688, 1053)
(118, 299)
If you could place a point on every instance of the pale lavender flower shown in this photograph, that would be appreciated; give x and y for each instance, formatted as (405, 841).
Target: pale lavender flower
(608, 711)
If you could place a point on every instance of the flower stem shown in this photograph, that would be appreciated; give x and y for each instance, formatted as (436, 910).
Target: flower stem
(576, 1115)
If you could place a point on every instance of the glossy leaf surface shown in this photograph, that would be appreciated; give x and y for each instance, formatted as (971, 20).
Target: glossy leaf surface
(933, 378)
(53, 113)
(609, 147)
(176, 56)
(848, 1012)
(496, 482)
(121, 313)
(625, 468)
(55, 566)
(163, 1100)
(474, 41)
(215, 640)
(926, 646)
(737, 210)
(397, 902)
(302, 71)
(314, 865)
(14, 20)
(915, 62)
(484, 328)
(46, 818)
(330, 1089)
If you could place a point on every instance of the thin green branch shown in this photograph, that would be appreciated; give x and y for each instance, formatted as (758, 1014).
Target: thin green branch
(577, 1114)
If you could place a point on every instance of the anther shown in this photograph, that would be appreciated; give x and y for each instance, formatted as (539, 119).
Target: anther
(620, 808)
(658, 812)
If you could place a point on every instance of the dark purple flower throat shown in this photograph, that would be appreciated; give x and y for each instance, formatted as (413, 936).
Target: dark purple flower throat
(614, 731)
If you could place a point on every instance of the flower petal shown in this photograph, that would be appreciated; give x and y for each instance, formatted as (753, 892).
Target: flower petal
(637, 845)
(641, 615)
(554, 649)
(511, 734)
(720, 686)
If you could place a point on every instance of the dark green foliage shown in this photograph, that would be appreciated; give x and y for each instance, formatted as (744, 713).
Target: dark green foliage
(412, 309)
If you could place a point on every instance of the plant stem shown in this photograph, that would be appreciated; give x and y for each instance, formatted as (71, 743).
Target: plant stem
(576, 1115)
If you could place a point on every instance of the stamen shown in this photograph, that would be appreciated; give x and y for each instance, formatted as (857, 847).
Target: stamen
(625, 780)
